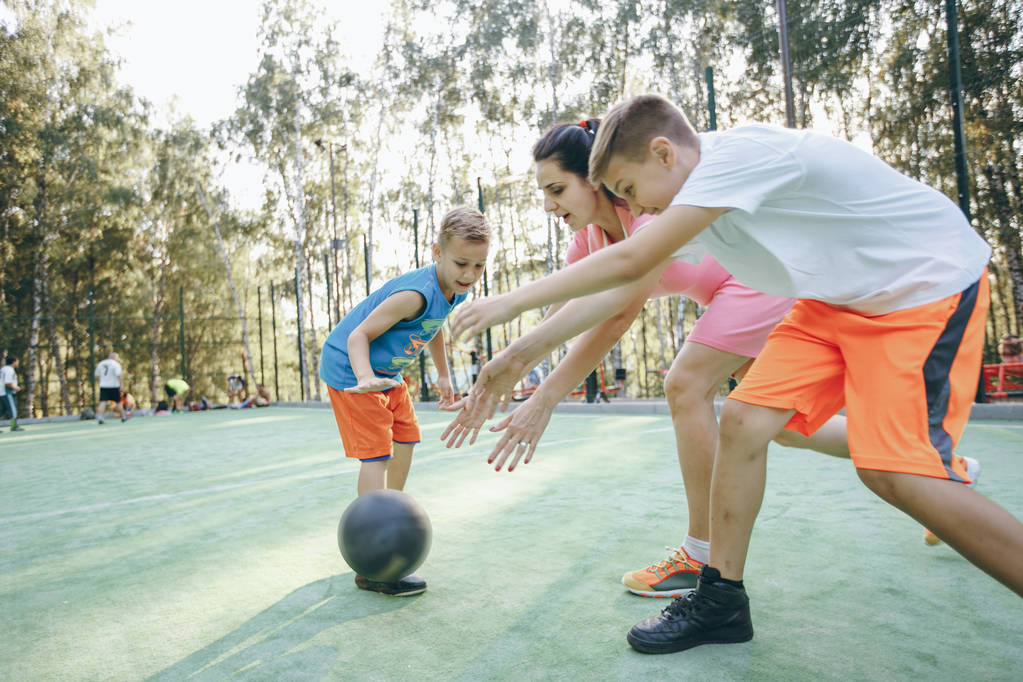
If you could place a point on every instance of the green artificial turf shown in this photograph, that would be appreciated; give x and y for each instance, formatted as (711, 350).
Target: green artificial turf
(202, 546)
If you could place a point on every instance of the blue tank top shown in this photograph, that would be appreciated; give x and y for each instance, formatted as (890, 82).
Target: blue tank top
(397, 347)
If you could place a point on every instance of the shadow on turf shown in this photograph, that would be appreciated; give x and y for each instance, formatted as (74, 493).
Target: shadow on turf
(270, 645)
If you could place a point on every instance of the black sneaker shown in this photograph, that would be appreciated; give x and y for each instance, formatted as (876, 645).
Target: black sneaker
(406, 587)
(713, 613)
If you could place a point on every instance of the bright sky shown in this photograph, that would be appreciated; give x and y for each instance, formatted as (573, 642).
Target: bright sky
(194, 55)
(200, 52)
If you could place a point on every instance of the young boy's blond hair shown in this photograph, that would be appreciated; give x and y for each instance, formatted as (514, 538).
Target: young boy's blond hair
(466, 223)
(630, 125)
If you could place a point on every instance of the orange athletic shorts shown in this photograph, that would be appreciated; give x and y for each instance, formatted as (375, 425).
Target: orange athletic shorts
(907, 379)
(369, 422)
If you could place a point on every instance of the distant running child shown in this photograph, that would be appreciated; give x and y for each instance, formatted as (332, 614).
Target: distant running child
(364, 355)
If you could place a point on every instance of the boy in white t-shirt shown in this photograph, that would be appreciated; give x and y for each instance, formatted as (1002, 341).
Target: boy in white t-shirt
(109, 374)
(889, 324)
(8, 387)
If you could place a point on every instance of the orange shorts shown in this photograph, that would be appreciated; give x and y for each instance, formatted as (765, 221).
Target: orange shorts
(369, 422)
(907, 379)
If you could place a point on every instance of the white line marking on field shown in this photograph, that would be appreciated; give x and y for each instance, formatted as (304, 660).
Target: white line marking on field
(297, 477)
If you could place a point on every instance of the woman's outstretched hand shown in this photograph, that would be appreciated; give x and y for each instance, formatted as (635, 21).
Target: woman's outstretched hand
(522, 431)
(492, 390)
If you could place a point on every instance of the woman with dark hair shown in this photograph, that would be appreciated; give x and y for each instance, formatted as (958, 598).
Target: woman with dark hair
(730, 333)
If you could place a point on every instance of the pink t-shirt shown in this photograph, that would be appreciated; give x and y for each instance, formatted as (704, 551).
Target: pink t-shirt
(698, 282)
(737, 319)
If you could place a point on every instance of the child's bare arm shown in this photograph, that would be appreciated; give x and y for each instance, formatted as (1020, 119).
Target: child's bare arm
(403, 305)
(440, 360)
(610, 267)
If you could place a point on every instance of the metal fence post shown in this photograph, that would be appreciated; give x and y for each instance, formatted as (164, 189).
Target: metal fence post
(259, 311)
(273, 322)
(301, 355)
(92, 346)
(181, 331)
(326, 277)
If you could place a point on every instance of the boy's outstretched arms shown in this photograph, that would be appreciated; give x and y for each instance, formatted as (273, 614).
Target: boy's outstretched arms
(618, 264)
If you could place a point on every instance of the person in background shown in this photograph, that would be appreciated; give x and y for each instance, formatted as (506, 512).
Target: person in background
(109, 374)
(176, 390)
(236, 388)
(8, 387)
(127, 403)
(1011, 349)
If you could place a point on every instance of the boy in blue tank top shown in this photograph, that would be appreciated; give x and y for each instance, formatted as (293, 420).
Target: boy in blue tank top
(366, 352)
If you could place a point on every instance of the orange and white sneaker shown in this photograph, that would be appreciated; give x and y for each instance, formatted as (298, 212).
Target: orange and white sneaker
(672, 577)
(973, 471)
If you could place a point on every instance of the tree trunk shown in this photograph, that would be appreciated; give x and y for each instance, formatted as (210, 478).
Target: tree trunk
(44, 385)
(55, 346)
(312, 334)
(643, 362)
(660, 334)
(348, 256)
(159, 298)
(73, 358)
(33, 336)
(1008, 236)
(373, 193)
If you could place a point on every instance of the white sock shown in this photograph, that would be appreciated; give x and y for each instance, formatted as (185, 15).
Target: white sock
(697, 549)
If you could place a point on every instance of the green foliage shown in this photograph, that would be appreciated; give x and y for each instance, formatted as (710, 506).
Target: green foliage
(104, 239)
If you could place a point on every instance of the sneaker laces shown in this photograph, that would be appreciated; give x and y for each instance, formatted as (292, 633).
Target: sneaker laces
(678, 560)
(689, 603)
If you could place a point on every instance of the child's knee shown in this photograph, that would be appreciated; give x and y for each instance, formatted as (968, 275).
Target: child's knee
(884, 484)
(749, 426)
(735, 416)
(789, 439)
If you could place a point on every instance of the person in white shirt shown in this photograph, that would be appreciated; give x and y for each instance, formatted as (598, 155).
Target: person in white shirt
(109, 374)
(8, 387)
(893, 291)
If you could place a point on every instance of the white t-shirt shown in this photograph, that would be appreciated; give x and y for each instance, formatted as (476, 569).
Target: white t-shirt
(7, 376)
(816, 217)
(109, 373)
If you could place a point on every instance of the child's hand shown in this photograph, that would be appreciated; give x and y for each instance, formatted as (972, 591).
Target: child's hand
(493, 389)
(455, 406)
(371, 384)
(447, 394)
(481, 314)
(524, 427)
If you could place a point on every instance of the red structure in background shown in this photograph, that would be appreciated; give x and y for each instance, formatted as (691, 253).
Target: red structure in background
(1004, 380)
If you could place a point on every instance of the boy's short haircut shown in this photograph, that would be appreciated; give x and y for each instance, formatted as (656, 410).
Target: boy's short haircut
(466, 223)
(630, 125)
